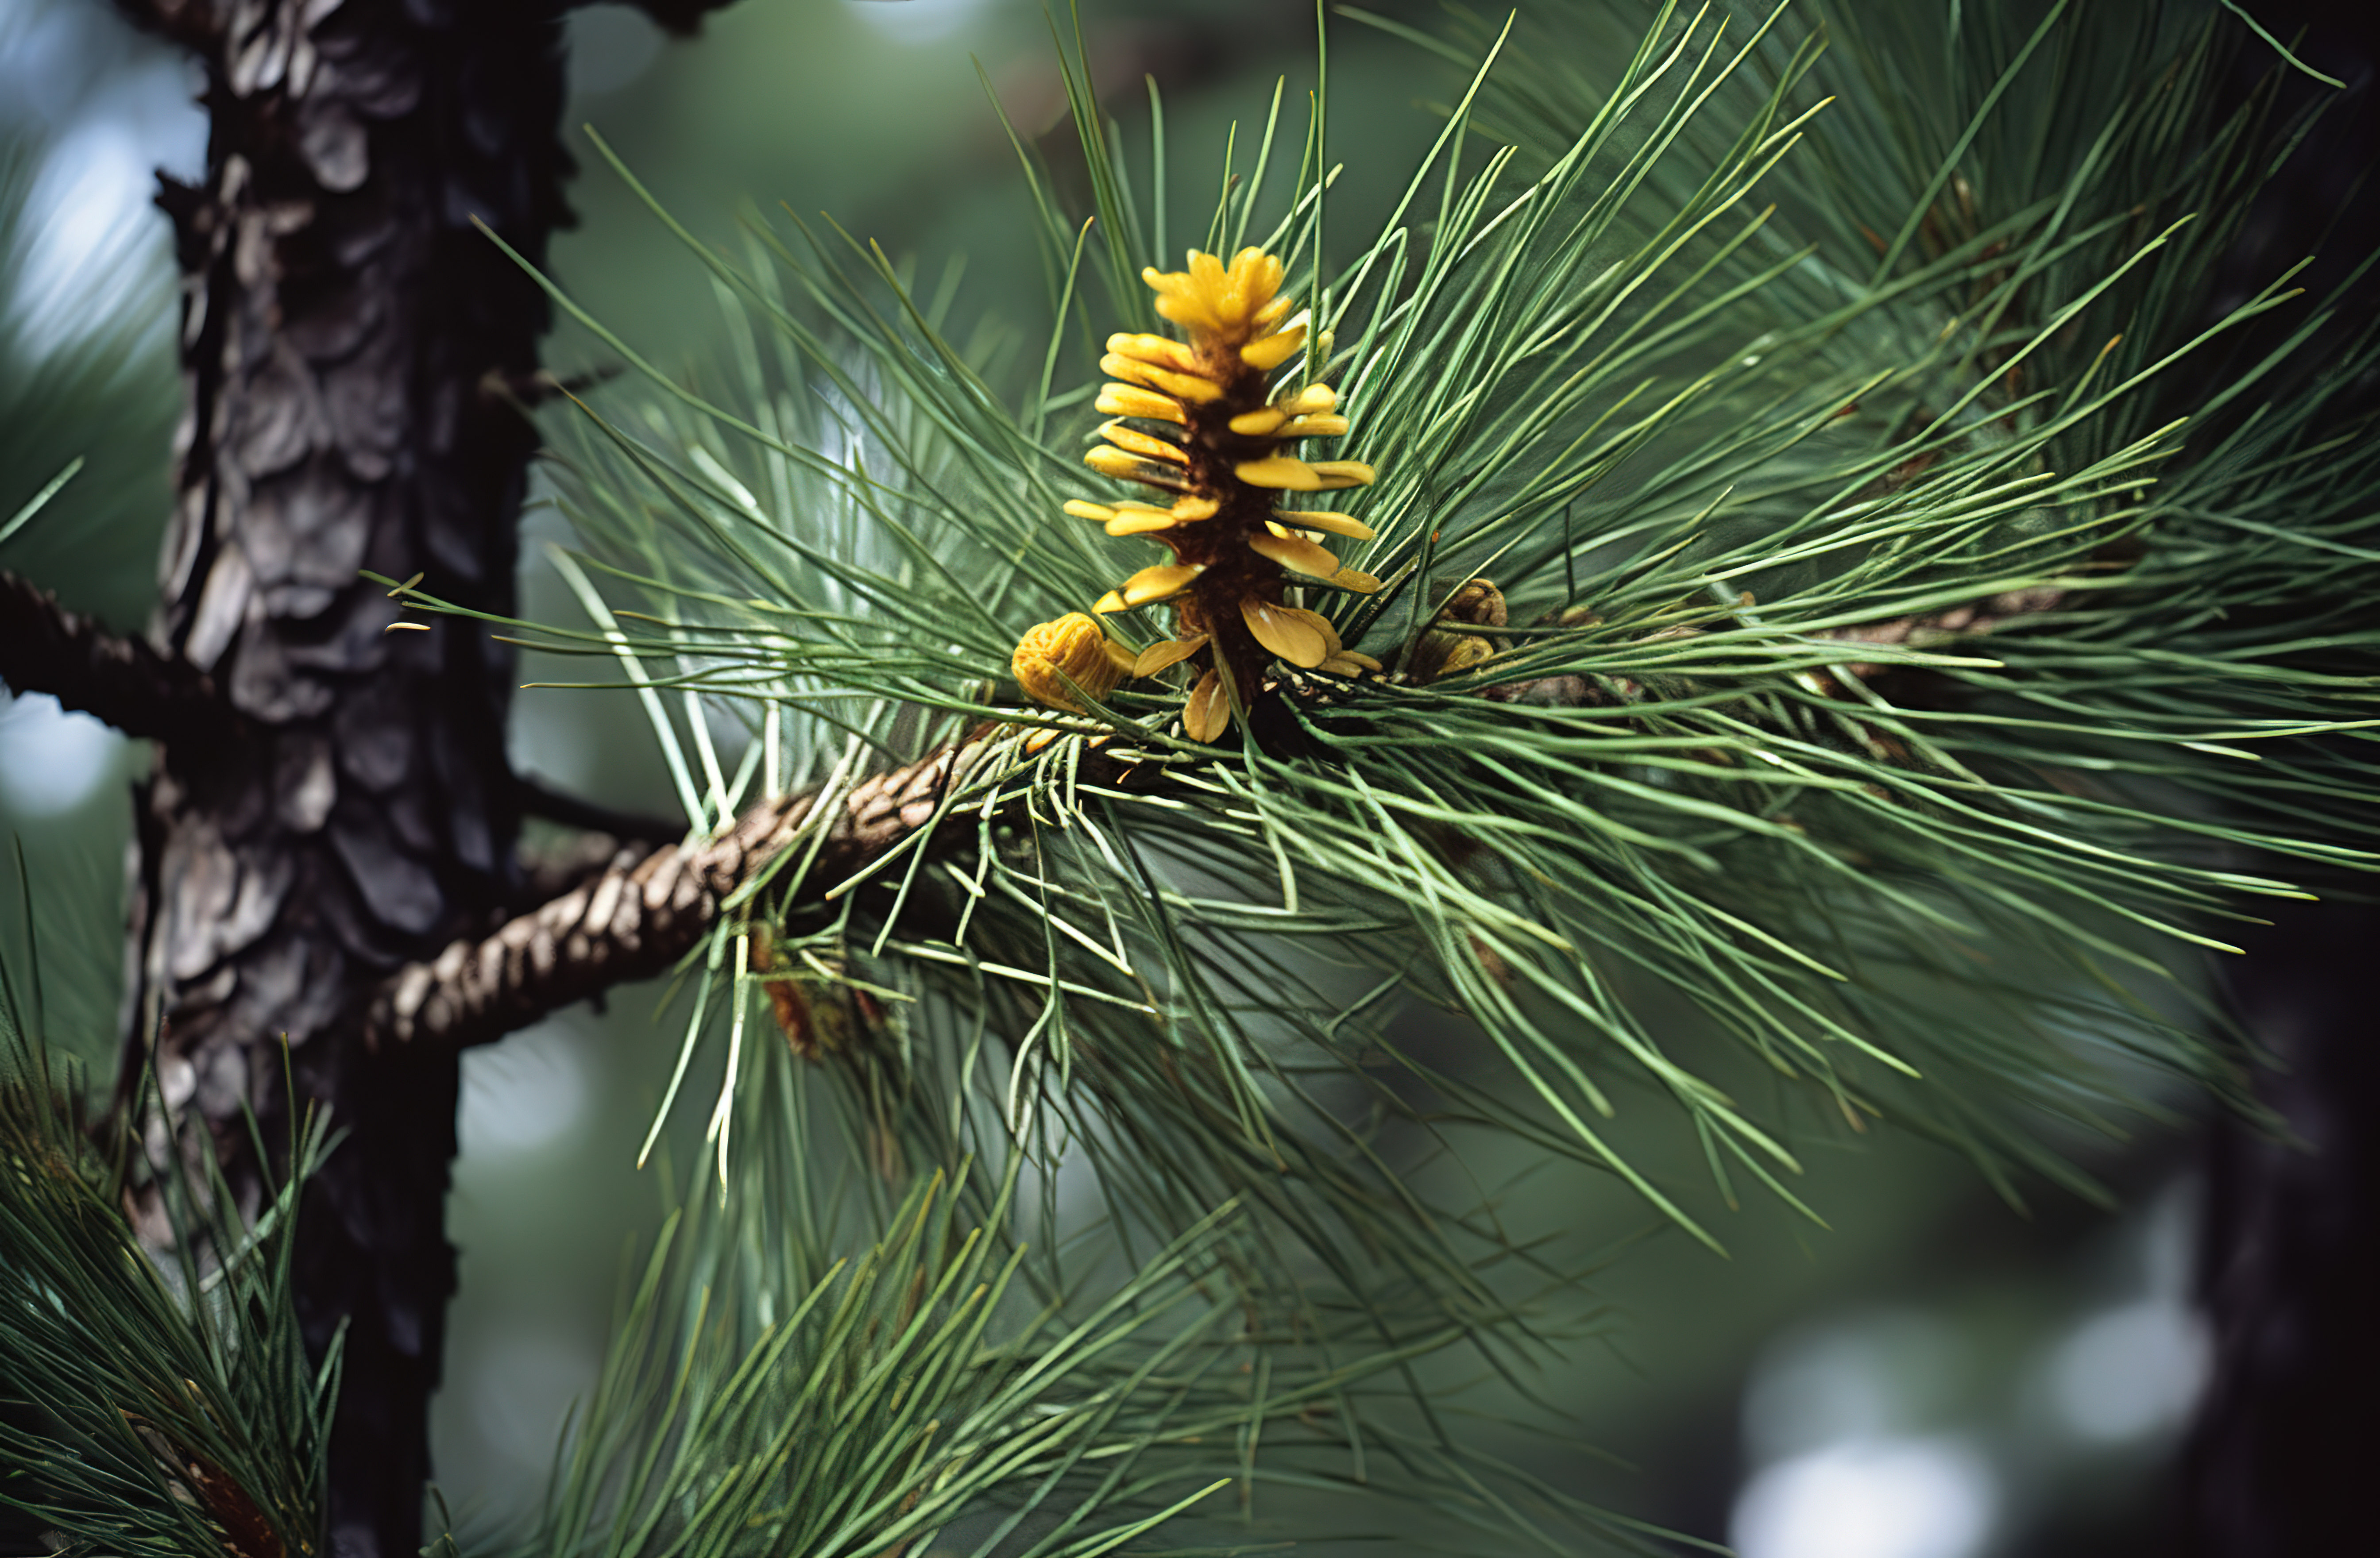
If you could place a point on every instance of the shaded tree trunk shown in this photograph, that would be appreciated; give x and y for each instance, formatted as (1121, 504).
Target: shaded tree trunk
(2290, 1269)
(2290, 1272)
(331, 800)
(347, 339)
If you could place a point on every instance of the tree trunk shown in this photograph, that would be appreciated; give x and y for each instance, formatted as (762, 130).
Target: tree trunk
(351, 345)
(2289, 1265)
(2290, 1271)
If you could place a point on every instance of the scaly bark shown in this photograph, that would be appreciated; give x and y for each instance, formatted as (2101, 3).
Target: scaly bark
(353, 349)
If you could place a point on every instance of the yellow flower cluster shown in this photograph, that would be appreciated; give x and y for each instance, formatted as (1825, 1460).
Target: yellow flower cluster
(1214, 443)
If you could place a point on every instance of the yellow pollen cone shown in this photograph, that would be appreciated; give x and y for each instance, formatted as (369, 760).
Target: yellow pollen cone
(1141, 443)
(1209, 298)
(1162, 582)
(1129, 467)
(1319, 623)
(1160, 351)
(1208, 712)
(1254, 283)
(1082, 510)
(1234, 319)
(1187, 387)
(1279, 629)
(1274, 350)
(1336, 474)
(1123, 400)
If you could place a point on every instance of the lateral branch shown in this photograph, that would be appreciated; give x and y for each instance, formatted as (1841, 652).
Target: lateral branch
(46, 648)
(639, 917)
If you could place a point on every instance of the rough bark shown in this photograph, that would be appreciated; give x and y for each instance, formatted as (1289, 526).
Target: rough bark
(334, 801)
(343, 331)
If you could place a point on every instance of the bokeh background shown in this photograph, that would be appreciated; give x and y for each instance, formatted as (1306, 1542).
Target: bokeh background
(1933, 1374)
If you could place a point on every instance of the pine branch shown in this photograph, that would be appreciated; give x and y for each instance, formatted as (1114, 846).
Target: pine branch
(635, 919)
(46, 648)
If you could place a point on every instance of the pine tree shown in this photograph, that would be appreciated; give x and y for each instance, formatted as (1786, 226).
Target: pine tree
(1814, 533)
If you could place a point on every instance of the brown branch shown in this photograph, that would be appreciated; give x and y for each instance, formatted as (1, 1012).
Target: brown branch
(46, 648)
(637, 919)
